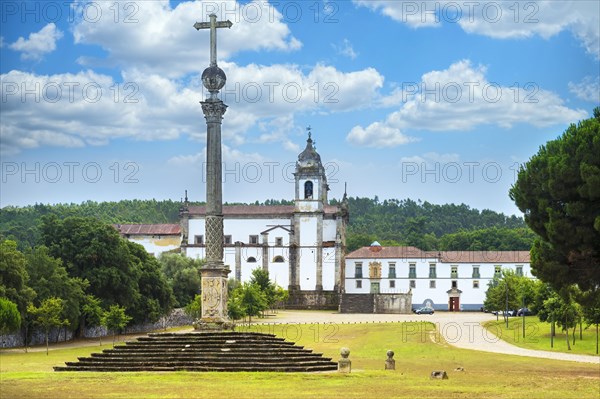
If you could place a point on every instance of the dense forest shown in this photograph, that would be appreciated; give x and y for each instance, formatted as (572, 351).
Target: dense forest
(391, 222)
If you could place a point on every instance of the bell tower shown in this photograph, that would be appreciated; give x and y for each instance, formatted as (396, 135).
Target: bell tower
(311, 182)
(306, 265)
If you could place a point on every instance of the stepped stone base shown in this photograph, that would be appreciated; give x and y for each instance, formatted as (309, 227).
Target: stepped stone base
(205, 351)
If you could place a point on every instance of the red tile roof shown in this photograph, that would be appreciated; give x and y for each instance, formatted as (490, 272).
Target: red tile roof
(485, 256)
(443, 256)
(257, 210)
(388, 252)
(148, 229)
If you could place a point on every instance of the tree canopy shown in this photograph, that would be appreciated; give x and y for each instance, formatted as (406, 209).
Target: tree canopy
(558, 190)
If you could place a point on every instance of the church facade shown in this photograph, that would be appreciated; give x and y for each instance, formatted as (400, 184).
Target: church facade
(301, 245)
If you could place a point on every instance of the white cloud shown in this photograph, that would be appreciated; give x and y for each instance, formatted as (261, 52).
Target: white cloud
(146, 106)
(501, 20)
(346, 49)
(588, 89)
(39, 43)
(159, 29)
(462, 98)
(378, 135)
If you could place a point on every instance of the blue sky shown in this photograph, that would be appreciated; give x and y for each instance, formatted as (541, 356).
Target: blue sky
(432, 100)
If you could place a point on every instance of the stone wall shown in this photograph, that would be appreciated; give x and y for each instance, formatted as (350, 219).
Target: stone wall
(376, 303)
(357, 303)
(393, 303)
(319, 300)
(175, 319)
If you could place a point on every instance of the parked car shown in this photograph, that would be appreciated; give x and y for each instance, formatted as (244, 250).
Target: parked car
(504, 312)
(524, 310)
(424, 311)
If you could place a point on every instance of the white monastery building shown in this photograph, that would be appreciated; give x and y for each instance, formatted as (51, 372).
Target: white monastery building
(446, 280)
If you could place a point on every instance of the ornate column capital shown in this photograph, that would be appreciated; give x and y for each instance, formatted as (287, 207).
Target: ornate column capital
(213, 110)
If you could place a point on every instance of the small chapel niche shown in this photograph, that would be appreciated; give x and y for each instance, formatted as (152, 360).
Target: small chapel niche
(308, 190)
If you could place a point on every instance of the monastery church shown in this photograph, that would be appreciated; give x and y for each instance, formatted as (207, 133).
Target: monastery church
(302, 246)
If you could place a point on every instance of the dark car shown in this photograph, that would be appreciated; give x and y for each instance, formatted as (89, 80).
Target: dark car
(504, 312)
(526, 312)
(424, 311)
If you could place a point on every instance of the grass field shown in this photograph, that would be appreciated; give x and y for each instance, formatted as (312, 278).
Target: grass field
(537, 335)
(485, 375)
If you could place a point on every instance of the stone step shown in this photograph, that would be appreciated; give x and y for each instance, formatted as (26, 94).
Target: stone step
(227, 351)
(163, 344)
(269, 368)
(198, 363)
(193, 354)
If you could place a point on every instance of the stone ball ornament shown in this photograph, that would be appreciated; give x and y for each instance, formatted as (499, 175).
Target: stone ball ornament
(345, 352)
(213, 78)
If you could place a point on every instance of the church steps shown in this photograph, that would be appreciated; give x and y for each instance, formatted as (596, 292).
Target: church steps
(227, 351)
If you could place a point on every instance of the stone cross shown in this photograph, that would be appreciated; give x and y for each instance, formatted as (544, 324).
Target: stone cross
(213, 25)
(214, 273)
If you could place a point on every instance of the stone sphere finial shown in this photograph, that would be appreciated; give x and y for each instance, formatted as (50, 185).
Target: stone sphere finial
(213, 78)
(345, 352)
(390, 354)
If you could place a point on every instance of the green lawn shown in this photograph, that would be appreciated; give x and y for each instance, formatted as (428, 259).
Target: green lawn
(485, 375)
(537, 335)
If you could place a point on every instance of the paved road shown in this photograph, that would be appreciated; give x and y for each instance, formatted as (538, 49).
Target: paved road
(463, 330)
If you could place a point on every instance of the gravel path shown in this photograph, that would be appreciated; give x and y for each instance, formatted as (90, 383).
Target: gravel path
(463, 330)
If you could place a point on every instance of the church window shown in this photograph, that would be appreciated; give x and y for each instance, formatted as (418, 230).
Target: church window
(279, 241)
(278, 259)
(432, 273)
(413, 284)
(431, 283)
(476, 272)
(358, 270)
(358, 283)
(454, 271)
(475, 283)
(454, 284)
(253, 240)
(497, 271)
(392, 270)
(251, 259)
(519, 271)
(227, 239)
(308, 190)
(392, 283)
(199, 240)
(412, 270)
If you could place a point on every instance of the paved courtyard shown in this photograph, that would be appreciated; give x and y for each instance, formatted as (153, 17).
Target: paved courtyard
(463, 330)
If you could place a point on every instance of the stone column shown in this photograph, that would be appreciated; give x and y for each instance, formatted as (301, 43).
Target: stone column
(214, 273)
(319, 250)
(238, 261)
(265, 252)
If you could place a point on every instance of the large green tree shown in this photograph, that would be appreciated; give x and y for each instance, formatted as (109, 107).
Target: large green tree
(49, 278)
(558, 190)
(14, 278)
(119, 272)
(183, 275)
(10, 319)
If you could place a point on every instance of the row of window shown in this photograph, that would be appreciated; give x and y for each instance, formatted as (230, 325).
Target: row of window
(252, 240)
(375, 270)
(413, 284)
(277, 259)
